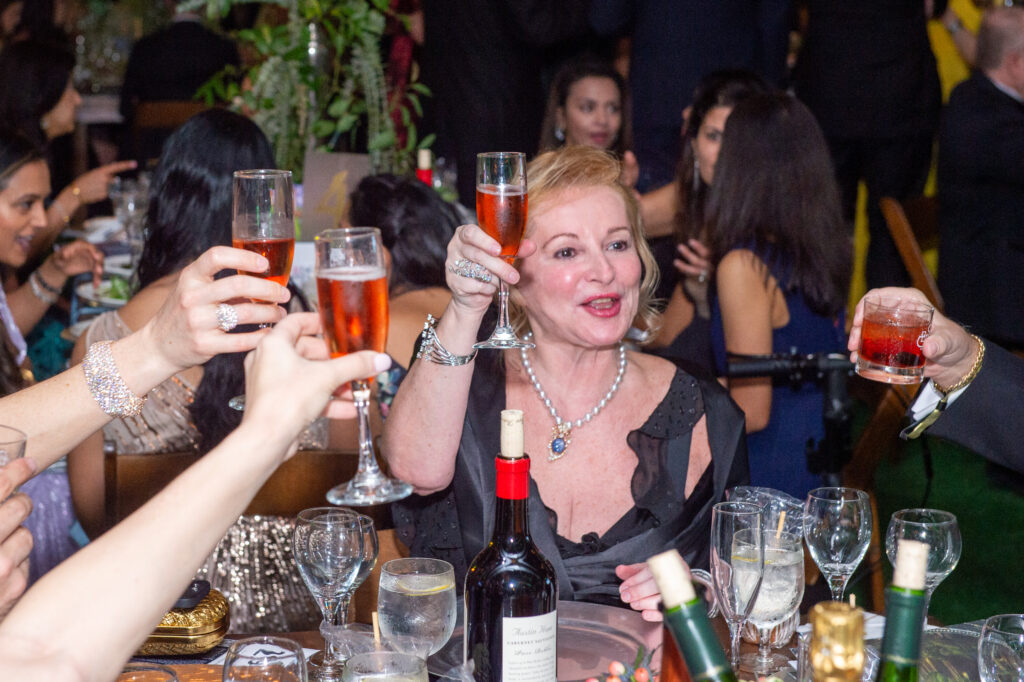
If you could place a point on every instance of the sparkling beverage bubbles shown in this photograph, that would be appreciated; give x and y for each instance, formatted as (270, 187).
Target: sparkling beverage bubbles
(353, 309)
(416, 611)
(501, 212)
(278, 251)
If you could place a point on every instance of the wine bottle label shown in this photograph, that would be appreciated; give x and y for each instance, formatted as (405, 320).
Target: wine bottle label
(528, 651)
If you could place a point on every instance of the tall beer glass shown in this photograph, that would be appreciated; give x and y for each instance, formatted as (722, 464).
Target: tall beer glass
(501, 212)
(263, 221)
(352, 287)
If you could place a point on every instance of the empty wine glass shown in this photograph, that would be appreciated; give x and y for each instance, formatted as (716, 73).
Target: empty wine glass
(328, 548)
(264, 659)
(349, 639)
(352, 287)
(736, 570)
(939, 530)
(782, 588)
(1001, 649)
(416, 604)
(837, 528)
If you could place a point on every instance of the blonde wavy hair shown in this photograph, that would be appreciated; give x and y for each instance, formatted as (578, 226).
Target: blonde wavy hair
(549, 175)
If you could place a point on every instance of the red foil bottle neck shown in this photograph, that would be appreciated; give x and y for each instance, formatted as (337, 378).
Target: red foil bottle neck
(513, 477)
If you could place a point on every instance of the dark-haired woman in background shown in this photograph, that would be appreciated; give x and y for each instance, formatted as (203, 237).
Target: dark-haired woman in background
(685, 331)
(190, 211)
(24, 182)
(38, 98)
(782, 265)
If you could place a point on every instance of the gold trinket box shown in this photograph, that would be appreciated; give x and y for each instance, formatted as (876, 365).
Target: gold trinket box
(184, 632)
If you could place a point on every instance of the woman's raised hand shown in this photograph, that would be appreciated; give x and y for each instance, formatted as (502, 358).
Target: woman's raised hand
(92, 186)
(694, 260)
(15, 540)
(188, 331)
(290, 379)
(472, 266)
(77, 257)
(639, 590)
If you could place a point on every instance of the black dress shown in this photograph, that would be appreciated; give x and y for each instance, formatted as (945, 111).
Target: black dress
(456, 523)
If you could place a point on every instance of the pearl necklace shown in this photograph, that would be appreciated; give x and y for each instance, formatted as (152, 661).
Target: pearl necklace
(561, 434)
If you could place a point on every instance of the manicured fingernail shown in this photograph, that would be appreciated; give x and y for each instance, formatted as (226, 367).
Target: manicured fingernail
(381, 362)
(626, 596)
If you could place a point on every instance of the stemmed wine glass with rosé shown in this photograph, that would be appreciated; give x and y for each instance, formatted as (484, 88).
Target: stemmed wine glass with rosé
(501, 212)
(263, 221)
(352, 287)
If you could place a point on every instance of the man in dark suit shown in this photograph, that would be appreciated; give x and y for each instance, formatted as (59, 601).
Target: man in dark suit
(867, 72)
(974, 393)
(674, 44)
(171, 63)
(981, 186)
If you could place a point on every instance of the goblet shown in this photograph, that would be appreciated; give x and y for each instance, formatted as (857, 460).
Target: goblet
(328, 548)
(263, 221)
(349, 639)
(1001, 649)
(501, 212)
(416, 604)
(264, 659)
(939, 530)
(837, 527)
(782, 588)
(352, 287)
(735, 575)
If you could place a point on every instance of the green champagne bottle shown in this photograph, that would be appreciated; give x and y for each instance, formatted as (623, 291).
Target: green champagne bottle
(686, 617)
(904, 614)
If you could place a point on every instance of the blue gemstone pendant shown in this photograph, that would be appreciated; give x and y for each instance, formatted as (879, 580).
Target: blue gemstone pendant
(560, 439)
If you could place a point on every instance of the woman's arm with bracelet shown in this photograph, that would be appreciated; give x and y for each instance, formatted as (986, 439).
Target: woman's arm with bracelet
(424, 426)
(30, 301)
(183, 334)
(124, 582)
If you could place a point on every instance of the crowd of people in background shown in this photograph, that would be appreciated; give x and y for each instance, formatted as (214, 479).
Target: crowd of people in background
(692, 199)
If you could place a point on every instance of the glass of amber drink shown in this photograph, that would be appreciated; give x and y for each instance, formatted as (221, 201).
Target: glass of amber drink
(501, 212)
(890, 339)
(263, 221)
(352, 288)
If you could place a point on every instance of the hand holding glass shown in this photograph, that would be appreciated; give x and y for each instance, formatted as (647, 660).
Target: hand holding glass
(891, 336)
(837, 527)
(352, 288)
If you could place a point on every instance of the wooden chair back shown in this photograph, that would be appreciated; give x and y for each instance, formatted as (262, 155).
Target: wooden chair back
(876, 441)
(154, 121)
(911, 224)
(299, 483)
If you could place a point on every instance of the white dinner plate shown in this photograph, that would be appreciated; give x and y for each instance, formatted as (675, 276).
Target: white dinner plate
(120, 265)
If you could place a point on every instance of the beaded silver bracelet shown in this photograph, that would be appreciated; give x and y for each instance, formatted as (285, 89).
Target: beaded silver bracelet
(106, 385)
(432, 350)
(41, 290)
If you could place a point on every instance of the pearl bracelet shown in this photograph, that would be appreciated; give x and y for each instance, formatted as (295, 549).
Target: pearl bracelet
(106, 385)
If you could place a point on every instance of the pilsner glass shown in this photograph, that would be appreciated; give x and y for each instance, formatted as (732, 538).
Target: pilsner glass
(501, 212)
(263, 221)
(352, 287)
(736, 576)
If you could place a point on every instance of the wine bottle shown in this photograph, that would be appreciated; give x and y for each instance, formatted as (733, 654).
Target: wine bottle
(904, 614)
(424, 167)
(686, 617)
(511, 589)
(837, 642)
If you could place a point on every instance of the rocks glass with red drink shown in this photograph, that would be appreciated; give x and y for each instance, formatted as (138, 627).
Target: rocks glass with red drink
(890, 339)
(501, 212)
(352, 288)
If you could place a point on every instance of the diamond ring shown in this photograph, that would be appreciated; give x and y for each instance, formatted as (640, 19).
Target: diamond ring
(227, 317)
(473, 270)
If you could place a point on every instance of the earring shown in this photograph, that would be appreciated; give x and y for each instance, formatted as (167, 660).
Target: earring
(559, 134)
(696, 174)
(44, 123)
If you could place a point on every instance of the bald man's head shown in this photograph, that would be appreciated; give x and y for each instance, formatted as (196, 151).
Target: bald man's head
(1001, 35)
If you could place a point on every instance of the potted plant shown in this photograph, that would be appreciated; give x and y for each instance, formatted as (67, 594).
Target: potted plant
(316, 80)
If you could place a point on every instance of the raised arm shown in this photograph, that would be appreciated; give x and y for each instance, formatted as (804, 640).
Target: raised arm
(184, 333)
(423, 429)
(125, 581)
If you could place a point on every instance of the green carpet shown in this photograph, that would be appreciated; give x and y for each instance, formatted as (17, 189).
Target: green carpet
(989, 578)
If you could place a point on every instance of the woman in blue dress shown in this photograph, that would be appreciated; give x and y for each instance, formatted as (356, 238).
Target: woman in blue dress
(782, 262)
